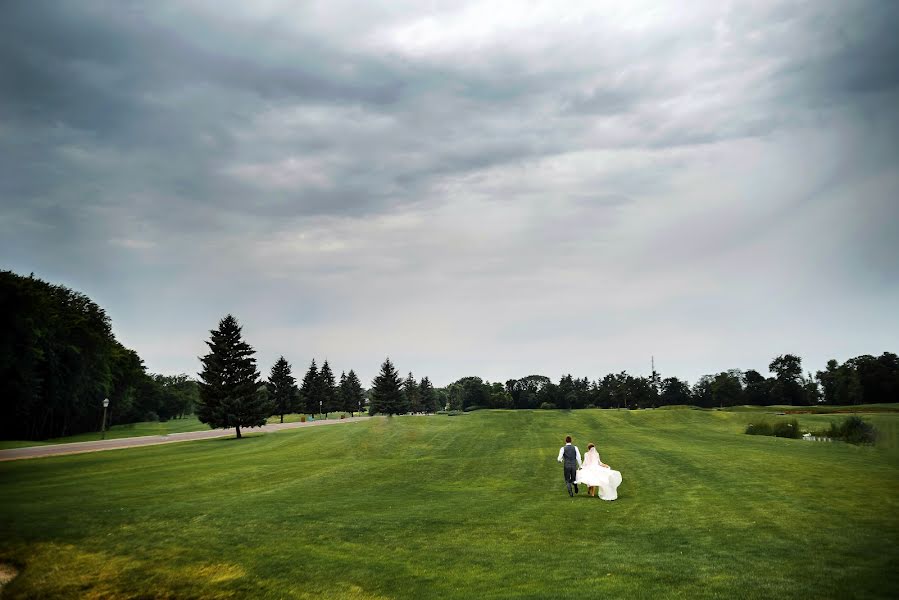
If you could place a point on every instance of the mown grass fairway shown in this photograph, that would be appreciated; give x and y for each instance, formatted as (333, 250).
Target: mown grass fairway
(463, 507)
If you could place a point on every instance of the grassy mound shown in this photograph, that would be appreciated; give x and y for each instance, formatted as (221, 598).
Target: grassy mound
(471, 506)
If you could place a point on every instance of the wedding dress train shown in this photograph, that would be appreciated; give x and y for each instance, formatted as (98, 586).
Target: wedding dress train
(592, 473)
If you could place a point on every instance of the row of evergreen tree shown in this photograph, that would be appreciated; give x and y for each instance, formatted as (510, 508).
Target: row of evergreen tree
(231, 394)
(59, 359)
(319, 393)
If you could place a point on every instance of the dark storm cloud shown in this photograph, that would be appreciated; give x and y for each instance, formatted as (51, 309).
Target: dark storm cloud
(613, 152)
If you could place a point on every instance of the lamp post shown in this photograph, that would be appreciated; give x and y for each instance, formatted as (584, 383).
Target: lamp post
(103, 427)
(320, 409)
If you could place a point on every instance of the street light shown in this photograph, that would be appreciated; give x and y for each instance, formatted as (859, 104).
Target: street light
(320, 409)
(103, 427)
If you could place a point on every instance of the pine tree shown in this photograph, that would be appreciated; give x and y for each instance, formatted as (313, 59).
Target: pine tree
(428, 395)
(327, 389)
(412, 394)
(309, 395)
(282, 388)
(228, 383)
(354, 397)
(387, 394)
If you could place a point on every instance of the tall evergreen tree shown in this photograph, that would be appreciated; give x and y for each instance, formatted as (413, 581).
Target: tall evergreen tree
(282, 388)
(412, 394)
(228, 383)
(428, 395)
(327, 389)
(354, 395)
(309, 395)
(387, 394)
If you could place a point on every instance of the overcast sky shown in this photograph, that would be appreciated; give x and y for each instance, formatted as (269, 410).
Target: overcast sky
(494, 189)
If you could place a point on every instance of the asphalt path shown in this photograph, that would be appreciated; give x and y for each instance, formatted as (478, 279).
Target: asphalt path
(153, 440)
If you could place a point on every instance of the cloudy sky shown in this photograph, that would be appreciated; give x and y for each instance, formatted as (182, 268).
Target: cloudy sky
(493, 189)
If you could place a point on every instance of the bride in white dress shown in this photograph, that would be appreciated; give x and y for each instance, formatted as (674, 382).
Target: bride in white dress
(596, 474)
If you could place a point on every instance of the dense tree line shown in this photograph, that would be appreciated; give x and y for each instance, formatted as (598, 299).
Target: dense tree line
(393, 395)
(861, 380)
(59, 360)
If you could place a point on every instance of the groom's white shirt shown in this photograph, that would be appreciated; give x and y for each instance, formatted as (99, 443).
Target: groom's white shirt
(577, 453)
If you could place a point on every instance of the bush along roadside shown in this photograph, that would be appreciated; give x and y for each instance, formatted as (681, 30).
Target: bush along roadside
(784, 429)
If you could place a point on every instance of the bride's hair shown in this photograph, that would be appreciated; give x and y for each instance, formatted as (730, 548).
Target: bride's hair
(590, 446)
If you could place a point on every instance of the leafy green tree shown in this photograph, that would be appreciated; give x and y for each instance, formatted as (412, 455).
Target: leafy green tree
(229, 381)
(756, 390)
(702, 392)
(428, 396)
(386, 392)
(282, 388)
(787, 388)
(327, 389)
(309, 391)
(727, 388)
(674, 392)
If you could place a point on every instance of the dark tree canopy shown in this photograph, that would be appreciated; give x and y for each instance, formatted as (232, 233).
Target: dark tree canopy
(59, 360)
(351, 393)
(327, 389)
(282, 388)
(229, 382)
(412, 394)
(428, 395)
(386, 393)
(309, 391)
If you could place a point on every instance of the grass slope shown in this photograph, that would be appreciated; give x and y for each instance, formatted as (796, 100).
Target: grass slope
(461, 507)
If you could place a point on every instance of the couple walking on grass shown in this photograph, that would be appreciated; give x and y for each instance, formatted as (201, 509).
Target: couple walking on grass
(595, 474)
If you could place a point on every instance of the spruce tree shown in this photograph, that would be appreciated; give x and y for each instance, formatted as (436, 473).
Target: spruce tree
(412, 395)
(228, 383)
(309, 395)
(282, 388)
(354, 398)
(387, 394)
(428, 395)
(327, 389)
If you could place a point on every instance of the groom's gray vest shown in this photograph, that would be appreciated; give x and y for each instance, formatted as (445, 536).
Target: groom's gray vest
(569, 455)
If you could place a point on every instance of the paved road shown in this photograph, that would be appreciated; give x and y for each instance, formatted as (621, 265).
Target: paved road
(152, 440)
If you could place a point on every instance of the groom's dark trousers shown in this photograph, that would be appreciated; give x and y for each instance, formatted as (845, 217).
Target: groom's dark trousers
(569, 458)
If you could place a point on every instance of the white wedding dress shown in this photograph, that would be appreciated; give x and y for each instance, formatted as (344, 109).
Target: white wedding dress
(592, 473)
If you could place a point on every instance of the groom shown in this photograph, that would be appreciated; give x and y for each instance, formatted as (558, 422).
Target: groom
(570, 457)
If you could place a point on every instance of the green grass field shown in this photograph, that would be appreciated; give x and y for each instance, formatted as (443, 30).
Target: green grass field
(471, 506)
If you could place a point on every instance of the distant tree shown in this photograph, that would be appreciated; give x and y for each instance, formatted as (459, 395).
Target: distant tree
(229, 381)
(498, 396)
(524, 391)
(327, 389)
(787, 388)
(674, 392)
(727, 388)
(351, 394)
(309, 391)
(386, 392)
(702, 392)
(428, 395)
(412, 394)
(565, 393)
(282, 388)
(756, 390)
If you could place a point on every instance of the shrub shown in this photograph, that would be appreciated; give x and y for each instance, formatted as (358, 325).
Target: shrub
(591, 406)
(762, 428)
(784, 429)
(547, 406)
(454, 413)
(787, 429)
(151, 416)
(302, 418)
(441, 412)
(473, 407)
(854, 430)
(343, 416)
